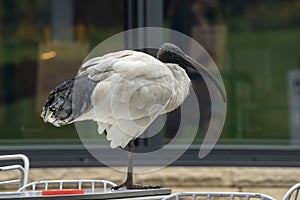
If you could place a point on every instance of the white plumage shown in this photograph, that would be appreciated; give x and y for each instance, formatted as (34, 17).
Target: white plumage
(133, 89)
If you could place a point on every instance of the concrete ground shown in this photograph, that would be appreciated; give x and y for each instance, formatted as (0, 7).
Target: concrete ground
(272, 181)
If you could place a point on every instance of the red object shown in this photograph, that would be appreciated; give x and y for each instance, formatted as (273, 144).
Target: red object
(61, 192)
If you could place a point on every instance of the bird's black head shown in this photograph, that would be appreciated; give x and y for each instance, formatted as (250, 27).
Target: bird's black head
(170, 53)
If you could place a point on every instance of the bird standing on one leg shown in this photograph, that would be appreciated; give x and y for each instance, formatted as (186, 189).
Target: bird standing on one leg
(124, 92)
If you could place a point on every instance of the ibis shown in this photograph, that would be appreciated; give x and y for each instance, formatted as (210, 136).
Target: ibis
(124, 92)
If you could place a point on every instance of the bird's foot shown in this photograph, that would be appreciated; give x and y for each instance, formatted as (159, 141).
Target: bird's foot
(135, 186)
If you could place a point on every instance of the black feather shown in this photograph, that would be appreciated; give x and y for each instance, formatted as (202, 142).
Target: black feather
(69, 100)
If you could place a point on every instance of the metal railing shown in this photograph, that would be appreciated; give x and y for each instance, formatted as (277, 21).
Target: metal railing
(94, 186)
(210, 195)
(292, 193)
(24, 170)
(62, 184)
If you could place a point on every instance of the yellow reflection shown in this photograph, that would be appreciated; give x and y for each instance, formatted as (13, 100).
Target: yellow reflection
(47, 55)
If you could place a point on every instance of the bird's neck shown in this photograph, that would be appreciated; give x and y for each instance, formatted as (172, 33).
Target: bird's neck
(181, 87)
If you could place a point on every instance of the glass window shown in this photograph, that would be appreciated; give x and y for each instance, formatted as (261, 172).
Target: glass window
(255, 45)
(42, 43)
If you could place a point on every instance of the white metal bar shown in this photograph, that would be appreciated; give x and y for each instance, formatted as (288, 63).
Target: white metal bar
(296, 195)
(62, 183)
(24, 171)
(209, 195)
(93, 186)
(79, 185)
(193, 197)
(10, 182)
(288, 194)
(105, 186)
(15, 167)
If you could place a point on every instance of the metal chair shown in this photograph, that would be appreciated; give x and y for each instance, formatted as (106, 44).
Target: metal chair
(24, 170)
(292, 193)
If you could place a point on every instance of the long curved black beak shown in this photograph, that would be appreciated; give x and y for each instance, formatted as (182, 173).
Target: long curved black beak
(200, 68)
(170, 53)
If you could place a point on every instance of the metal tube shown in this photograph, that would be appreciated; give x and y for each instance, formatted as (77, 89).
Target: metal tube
(24, 171)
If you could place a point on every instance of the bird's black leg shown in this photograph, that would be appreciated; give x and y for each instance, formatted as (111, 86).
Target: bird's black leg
(129, 180)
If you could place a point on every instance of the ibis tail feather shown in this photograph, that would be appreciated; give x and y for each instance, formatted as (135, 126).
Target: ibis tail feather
(68, 101)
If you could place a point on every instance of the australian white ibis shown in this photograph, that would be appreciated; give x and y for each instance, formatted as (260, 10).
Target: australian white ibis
(124, 92)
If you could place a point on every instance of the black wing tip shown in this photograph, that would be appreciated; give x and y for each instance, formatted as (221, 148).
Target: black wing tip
(57, 109)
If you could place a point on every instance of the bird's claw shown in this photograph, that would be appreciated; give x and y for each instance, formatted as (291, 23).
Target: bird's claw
(135, 187)
(143, 186)
(118, 186)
